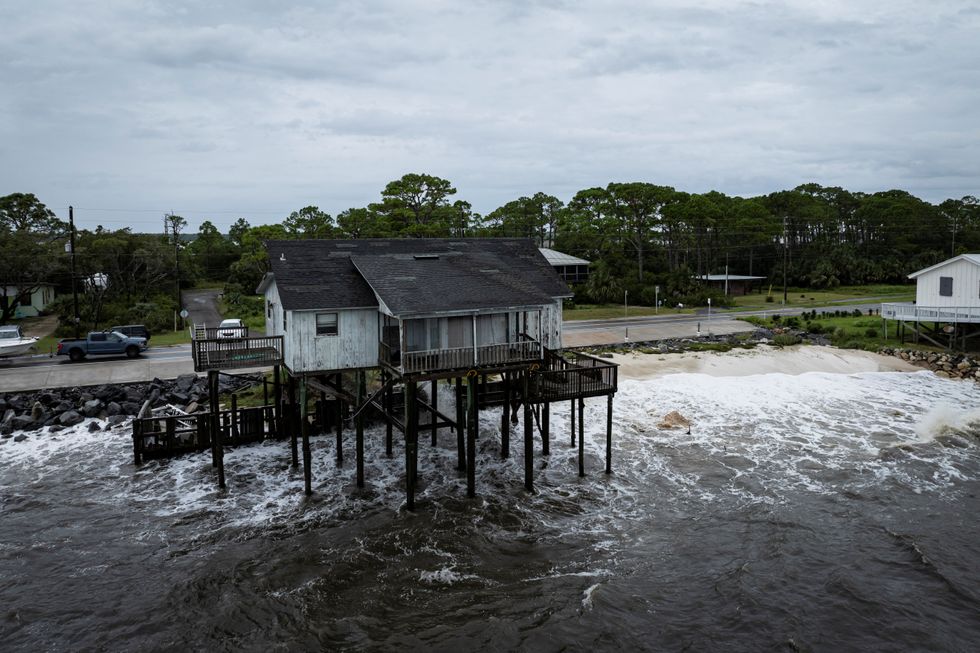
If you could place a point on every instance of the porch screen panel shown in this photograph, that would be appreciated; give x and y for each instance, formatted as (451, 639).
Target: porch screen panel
(491, 329)
(415, 335)
(460, 332)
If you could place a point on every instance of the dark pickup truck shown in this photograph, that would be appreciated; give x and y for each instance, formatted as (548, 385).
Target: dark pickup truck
(99, 343)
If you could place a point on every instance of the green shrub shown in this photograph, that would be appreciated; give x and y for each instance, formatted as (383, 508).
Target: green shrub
(785, 340)
(840, 333)
(769, 299)
(816, 327)
(871, 332)
(776, 319)
(792, 322)
(851, 344)
(856, 313)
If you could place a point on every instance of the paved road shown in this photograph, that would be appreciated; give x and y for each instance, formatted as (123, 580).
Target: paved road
(202, 304)
(169, 362)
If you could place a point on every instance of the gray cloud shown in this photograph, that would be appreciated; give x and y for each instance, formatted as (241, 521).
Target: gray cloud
(234, 109)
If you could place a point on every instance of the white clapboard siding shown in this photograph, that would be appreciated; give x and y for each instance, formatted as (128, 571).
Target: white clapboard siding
(966, 286)
(273, 311)
(354, 346)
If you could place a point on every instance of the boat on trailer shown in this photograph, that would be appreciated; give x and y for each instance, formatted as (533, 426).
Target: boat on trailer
(13, 342)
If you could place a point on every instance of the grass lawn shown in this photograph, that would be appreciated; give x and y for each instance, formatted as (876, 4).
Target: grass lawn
(802, 297)
(609, 311)
(850, 332)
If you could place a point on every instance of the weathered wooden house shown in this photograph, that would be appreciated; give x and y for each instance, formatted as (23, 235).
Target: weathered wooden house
(411, 305)
(946, 310)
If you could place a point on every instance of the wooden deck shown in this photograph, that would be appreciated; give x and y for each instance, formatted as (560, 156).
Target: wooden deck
(236, 353)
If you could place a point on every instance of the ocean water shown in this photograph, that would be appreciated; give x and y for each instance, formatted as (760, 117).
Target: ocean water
(818, 512)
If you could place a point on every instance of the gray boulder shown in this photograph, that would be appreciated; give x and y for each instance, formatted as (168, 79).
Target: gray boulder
(130, 407)
(54, 428)
(94, 426)
(112, 408)
(20, 438)
(37, 412)
(62, 406)
(178, 398)
(70, 418)
(115, 420)
(185, 382)
(91, 408)
(24, 423)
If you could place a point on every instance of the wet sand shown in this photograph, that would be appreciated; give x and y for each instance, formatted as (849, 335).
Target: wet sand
(761, 360)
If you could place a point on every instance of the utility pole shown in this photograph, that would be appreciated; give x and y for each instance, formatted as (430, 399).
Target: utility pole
(74, 289)
(174, 222)
(785, 255)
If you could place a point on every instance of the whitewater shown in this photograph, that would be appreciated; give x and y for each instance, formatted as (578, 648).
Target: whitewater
(822, 510)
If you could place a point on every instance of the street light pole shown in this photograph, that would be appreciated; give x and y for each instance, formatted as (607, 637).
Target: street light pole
(74, 289)
(626, 304)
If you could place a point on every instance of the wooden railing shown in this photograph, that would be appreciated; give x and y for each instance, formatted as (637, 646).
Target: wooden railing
(233, 353)
(172, 435)
(463, 357)
(582, 376)
(914, 312)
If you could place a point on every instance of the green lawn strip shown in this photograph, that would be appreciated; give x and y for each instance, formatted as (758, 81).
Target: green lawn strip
(848, 332)
(612, 311)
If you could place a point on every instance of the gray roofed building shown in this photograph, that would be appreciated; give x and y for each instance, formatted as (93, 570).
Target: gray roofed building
(417, 275)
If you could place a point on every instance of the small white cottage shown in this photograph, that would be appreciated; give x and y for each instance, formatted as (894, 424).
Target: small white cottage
(411, 305)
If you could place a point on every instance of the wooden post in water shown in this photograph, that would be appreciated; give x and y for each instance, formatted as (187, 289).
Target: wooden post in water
(219, 454)
(460, 427)
(545, 426)
(411, 441)
(340, 422)
(304, 424)
(528, 441)
(359, 426)
(234, 418)
(277, 396)
(137, 440)
(291, 419)
(609, 409)
(581, 437)
(573, 423)
(472, 421)
(505, 420)
(435, 406)
(265, 391)
(389, 401)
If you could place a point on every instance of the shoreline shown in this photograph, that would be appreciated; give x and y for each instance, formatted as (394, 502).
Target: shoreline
(762, 359)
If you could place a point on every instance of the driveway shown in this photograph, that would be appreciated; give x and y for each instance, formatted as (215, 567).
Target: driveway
(202, 304)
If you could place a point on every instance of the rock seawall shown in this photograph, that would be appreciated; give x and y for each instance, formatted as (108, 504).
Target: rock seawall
(56, 409)
(947, 364)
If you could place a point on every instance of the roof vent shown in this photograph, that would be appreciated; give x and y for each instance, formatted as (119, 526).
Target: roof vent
(282, 257)
(419, 257)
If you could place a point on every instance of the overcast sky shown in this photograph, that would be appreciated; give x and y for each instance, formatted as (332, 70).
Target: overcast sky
(220, 110)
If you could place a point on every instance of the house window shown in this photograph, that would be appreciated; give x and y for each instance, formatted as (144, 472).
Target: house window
(284, 321)
(946, 286)
(326, 324)
(268, 309)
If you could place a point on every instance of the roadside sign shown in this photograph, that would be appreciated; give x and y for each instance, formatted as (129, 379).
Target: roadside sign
(184, 313)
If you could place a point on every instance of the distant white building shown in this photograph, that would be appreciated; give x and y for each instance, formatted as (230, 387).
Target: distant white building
(947, 302)
(571, 269)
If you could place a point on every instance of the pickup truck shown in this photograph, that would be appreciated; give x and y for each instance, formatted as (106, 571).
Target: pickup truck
(100, 343)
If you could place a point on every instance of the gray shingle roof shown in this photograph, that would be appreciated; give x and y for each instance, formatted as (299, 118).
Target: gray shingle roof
(324, 274)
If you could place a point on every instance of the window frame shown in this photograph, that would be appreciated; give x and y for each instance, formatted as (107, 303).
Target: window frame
(336, 325)
(949, 281)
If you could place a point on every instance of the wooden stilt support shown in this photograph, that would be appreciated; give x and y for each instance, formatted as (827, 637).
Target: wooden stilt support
(219, 452)
(545, 427)
(609, 409)
(460, 427)
(291, 420)
(472, 422)
(411, 442)
(359, 426)
(434, 402)
(304, 425)
(581, 437)
(505, 420)
(340, 423)
(573, 423)
(234, 417)
(277, 396)
(389, 405)
(528, 442)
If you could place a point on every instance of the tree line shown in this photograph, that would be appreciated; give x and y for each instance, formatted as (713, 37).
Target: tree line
(637, 235)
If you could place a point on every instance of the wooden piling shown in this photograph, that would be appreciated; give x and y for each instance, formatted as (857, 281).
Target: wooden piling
(472, 422)
(411, 442)
(581, 437)
(340, 422)
(528, 442)
(435, 406)
(234, 417)
(545, 426)
(609, 411)
(277, 395)
(219, 454)
(305, 429)
(460, 427)
(389, 406)
(505, 420)
(291, 419)
(573, 423)
(359, 426)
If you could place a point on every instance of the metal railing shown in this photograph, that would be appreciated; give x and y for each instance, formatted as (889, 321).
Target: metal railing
(582, 376)
(914, 312)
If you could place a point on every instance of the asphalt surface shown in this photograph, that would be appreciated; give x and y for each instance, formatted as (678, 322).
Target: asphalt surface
(202, 304)
(40, 371)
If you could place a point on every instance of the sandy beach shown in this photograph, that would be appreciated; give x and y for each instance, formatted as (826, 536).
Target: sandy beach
(761, 360)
